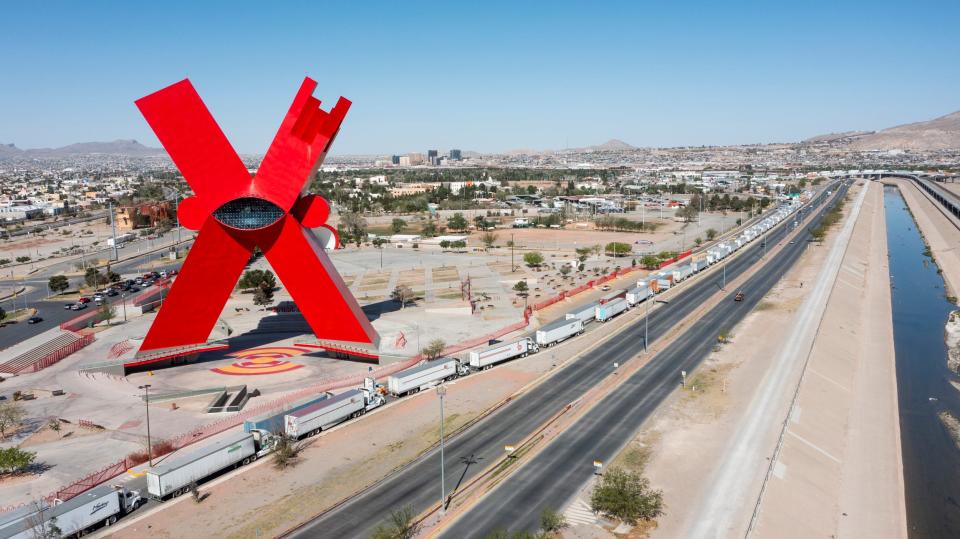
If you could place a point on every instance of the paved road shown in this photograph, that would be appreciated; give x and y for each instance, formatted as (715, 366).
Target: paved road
(555, 475)
(53, 312)
(417, 484)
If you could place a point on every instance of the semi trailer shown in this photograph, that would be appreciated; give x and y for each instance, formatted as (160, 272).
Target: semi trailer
(639, 295)
(558, 330)
(333, 411)
(491, 355)
(611, 309)
(176, 475)
(273, 421)
(99, 506)
(415, 378)
(584, 314)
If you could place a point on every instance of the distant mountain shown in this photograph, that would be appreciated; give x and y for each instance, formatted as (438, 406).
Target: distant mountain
(123, 147)
(612, 145)
(942, 133)
(837, 137)
(9, 150)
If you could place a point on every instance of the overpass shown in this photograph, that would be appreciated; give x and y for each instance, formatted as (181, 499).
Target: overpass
(928, 183)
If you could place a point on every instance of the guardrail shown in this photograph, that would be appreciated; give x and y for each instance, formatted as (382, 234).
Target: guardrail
(57, 355)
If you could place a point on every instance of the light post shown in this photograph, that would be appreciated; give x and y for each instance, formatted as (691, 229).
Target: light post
(123, 303)
(146, 390)
(441, 391)
(646, 329)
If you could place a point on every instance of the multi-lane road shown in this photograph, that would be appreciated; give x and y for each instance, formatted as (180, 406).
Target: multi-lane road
(566, 464)
(52, 312)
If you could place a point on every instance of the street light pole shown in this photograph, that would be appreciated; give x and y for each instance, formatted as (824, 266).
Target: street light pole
(646, 332)
(442, 391)
(146, 390)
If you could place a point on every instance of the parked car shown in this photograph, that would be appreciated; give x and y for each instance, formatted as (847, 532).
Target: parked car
(112, 293)
(83, 300)
(34, 320)
(69, 306)
(78, 306)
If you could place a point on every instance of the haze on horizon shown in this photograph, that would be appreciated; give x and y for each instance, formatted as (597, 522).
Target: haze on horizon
(488, 78)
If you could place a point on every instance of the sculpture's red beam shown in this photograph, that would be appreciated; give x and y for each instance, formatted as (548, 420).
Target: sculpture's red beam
(236, 212)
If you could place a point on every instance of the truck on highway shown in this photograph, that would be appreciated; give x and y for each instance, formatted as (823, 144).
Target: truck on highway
(176, 475)
(415, 378)
(584, 314)
(98, 506)
(333, 411)
(121, 239)
(558, 330)
(612, 296)
(638, 295)
(272, 422)
(491, 355)
(611, 309)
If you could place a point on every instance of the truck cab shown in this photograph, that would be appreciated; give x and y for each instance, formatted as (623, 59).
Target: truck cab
(130, 500)
(265, 441)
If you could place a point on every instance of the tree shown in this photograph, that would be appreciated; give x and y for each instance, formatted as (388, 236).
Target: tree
(285, 453)
(444, 244)
(457, 222)
(22, 259)
(11, 416)
(488, 239)
(459, 244)
(533, 259)
(42, 527)
(257, 278)
(107, 312)
(93, 277)
(627, 496)
(650, 262)
(698, 242)
(552, 521)
(264, 295)
(355, 225)
(403, 294)
(14, 459)
(480, 222)
(429, 228)
(565, 270)
(398, 225)
(615, 248)
(54, 425)
(400, 525)
(711, 234)
(3, 314)
(433, 349)
(58, 284)
(521, 288)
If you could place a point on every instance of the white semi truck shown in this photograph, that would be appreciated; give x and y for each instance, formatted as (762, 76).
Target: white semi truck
(584, 314)
(175, 476)
(98, 506)
(332, 411)
(611, 309)
(416, 378)
(558, 330)
(491, 355)
(639, 295)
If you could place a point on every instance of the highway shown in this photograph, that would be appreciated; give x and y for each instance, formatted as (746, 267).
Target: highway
(566, 464)
(555, 475)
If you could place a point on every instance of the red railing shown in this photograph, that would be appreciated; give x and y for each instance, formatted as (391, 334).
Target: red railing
(57, 355)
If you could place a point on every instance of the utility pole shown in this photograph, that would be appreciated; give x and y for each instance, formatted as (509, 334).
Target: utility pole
(646, 328)
(512, 245)
(146, 389)
(113, 224)
(442, 391)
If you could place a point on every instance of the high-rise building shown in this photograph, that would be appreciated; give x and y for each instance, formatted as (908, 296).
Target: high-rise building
(432, 153)
(395, 159)
(455, 155)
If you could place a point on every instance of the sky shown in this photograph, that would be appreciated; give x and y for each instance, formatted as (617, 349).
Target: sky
(483, 76)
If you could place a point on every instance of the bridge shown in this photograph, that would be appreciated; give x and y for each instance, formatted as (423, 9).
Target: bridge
(928, 183)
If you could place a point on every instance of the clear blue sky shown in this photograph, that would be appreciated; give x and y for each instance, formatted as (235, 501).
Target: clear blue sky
(484, 76)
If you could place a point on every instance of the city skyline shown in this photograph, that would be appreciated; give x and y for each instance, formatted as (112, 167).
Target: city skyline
(492, 80)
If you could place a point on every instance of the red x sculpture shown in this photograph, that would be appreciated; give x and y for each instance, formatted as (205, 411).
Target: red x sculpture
(236, 212)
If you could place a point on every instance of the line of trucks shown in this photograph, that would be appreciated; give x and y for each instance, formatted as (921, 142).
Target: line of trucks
(177, 475)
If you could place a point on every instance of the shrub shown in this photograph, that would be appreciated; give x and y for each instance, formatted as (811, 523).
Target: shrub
(626, 496)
